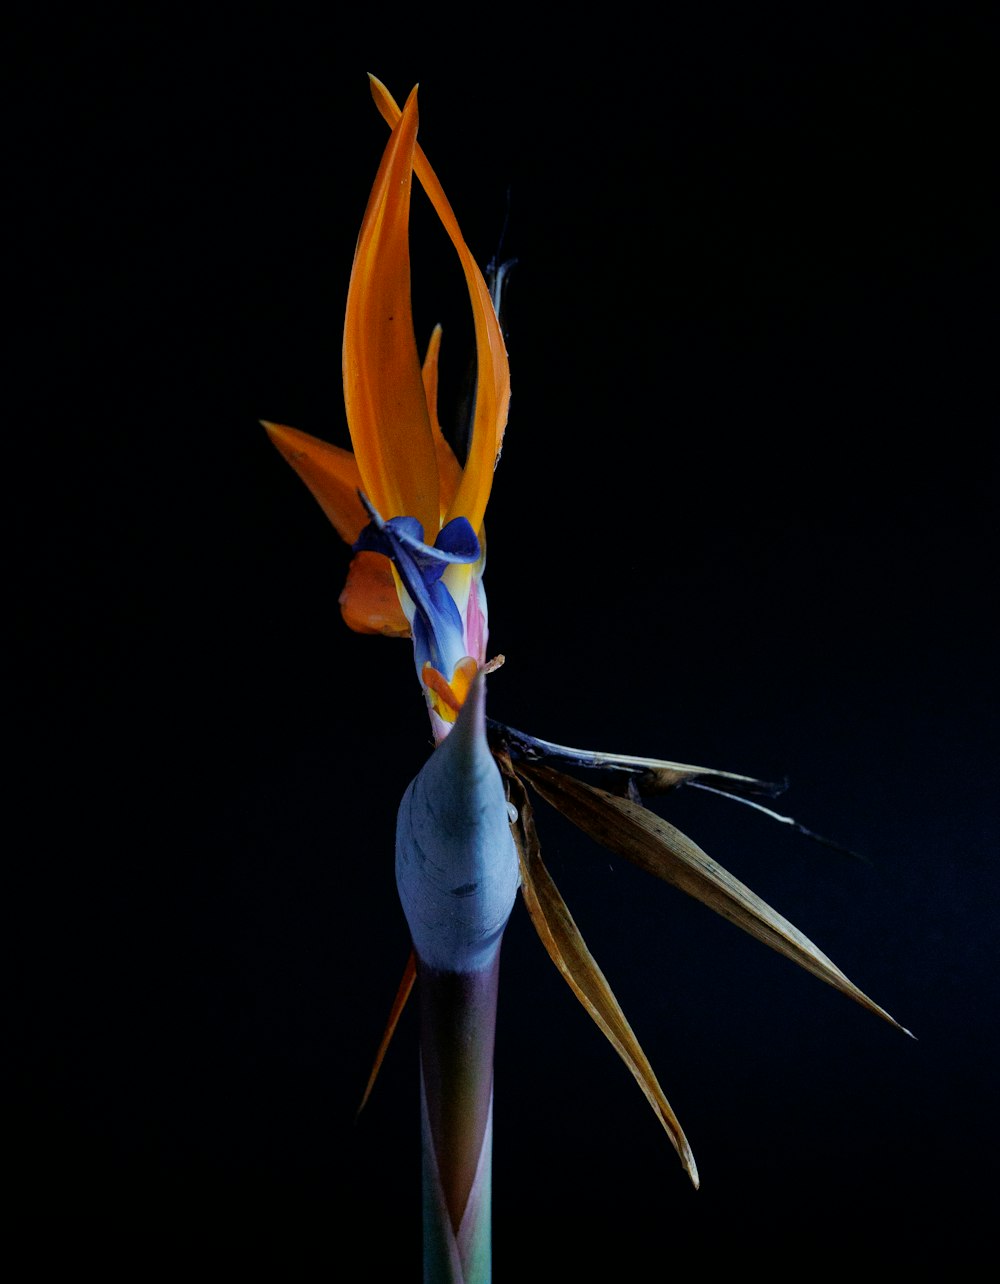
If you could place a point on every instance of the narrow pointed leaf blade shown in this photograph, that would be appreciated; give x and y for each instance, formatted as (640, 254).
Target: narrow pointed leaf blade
(656, 846)
(568, 950)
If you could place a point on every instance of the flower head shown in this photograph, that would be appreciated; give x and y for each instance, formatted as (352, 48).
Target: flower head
(466, 839)
(411, 510)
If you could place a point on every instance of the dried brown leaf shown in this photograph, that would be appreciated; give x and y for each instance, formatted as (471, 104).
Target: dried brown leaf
(656, 846)
(649, 775)
(567, 949)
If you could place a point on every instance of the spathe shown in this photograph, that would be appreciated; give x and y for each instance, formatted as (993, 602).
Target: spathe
(456, 863)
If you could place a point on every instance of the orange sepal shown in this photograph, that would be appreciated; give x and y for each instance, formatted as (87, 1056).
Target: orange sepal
(383, 389)
(449, 469)
(330, 473)
(493, 369)
(369, 602)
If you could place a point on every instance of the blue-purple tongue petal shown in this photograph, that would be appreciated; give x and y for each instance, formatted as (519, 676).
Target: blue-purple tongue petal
(457, 541)
(438, 632)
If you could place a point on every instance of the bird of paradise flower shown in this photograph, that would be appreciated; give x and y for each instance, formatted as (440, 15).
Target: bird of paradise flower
(466, 838)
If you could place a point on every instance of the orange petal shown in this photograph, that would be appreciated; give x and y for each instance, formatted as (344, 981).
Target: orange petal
(330, 473)
(449, 469)
(369, 602)
(447, 697)
(493, 382)
(383, 389)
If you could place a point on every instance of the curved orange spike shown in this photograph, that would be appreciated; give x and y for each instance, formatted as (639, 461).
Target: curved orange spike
(493, 383)
(399, 1003)
(383, 389)
(330, 473)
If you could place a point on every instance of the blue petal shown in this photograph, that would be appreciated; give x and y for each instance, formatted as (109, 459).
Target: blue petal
(438, 633)
(457, 540)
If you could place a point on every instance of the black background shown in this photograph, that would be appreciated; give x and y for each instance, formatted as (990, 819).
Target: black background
(744, 517)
